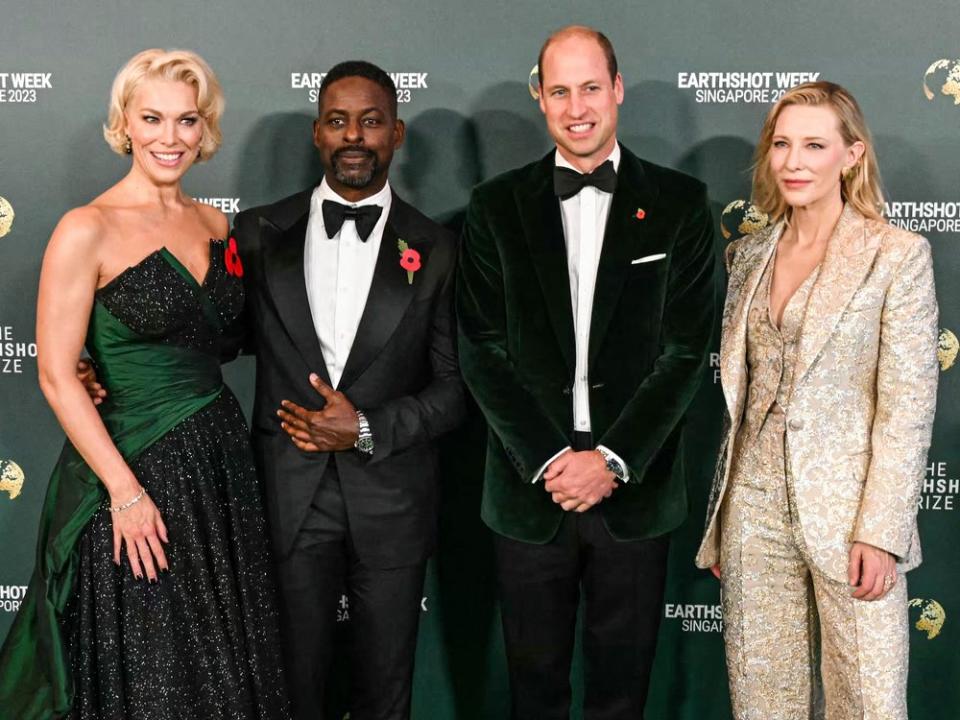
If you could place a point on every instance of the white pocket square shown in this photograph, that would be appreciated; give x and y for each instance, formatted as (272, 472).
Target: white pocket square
(648, 258)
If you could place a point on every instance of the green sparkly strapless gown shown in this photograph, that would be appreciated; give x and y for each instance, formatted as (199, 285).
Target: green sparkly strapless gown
(90, 640)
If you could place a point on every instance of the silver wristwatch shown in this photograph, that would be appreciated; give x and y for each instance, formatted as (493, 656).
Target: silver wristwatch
(364, 443)
(613, 465)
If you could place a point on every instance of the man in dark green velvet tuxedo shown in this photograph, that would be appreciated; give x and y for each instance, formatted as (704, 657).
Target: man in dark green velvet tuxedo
(585, 300)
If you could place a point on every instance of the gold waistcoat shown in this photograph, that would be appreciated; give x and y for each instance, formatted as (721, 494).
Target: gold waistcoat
(772, 352)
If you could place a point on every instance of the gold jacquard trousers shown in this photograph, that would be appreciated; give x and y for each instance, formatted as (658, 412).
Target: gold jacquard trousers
(781, 613)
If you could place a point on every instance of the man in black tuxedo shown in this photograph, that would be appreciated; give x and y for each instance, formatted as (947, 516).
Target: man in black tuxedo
(585, 308)
(350, 310)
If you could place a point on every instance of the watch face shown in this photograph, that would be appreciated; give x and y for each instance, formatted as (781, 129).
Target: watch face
(365, 444)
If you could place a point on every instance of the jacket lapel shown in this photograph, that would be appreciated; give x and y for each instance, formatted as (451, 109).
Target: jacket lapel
(733, 342)
(848, 259)
(543, 230)
(283, 268)
(389, 297)
(623, 236)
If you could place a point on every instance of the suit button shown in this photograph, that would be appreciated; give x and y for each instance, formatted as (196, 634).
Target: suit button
(796, 424)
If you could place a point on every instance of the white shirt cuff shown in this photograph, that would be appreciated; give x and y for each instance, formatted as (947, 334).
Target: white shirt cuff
(623, 465)
(543, 468)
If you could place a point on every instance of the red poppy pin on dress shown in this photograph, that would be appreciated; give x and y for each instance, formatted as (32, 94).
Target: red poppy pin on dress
(640, 214)
(232, 259)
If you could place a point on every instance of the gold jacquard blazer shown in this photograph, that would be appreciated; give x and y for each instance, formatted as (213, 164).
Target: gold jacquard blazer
(860, 417)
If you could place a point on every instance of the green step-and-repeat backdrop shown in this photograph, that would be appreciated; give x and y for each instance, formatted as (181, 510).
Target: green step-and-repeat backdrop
(699, 77)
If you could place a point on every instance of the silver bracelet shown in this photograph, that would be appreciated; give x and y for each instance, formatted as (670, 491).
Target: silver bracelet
(138, 498)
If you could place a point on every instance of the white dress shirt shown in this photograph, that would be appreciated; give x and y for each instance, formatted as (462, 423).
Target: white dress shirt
(338, 273)
(584, 221)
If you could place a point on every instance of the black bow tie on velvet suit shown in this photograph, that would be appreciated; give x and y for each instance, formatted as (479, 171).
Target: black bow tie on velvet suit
(567, 182)
(364, 217)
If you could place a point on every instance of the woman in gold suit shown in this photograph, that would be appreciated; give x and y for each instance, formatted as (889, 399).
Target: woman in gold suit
(829, 372)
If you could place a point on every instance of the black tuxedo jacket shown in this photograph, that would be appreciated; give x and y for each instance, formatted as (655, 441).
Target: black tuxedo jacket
(649, 340)
(402, 372)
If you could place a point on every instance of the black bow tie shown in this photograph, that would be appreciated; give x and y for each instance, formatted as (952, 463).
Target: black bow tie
(364, 218)
(567, 182)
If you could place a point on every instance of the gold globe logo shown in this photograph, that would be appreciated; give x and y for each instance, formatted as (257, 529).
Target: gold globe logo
(11, 478)
(947, 348)
(944, 77)
(6, 217)
(932, 616)
(742, 218)
(533, 82)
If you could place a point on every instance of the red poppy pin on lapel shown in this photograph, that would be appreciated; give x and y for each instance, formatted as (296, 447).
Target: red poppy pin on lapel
(640, 214)
(409, 259)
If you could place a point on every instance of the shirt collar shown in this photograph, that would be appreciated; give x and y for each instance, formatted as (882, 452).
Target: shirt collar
(614, 156)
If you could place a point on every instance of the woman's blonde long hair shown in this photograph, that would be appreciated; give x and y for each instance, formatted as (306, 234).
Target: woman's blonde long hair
(860, 187)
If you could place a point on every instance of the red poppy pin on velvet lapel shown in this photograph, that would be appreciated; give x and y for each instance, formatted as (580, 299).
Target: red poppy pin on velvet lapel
(640, 214)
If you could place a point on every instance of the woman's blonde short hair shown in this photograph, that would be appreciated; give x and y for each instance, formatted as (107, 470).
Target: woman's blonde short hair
(860, 187)
(176, 65)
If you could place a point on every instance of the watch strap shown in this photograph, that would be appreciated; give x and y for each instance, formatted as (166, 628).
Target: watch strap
(364, 443)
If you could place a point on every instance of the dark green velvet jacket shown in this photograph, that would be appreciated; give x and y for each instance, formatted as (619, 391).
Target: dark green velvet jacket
(649, 340)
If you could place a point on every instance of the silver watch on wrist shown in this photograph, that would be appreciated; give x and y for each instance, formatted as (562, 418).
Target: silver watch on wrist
(364, 443)
(613, 465)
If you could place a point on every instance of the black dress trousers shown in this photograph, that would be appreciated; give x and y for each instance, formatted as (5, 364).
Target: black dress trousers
(384, 606)
(540, 585)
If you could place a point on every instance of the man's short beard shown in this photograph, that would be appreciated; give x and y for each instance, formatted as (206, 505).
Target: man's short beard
(354, 180)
